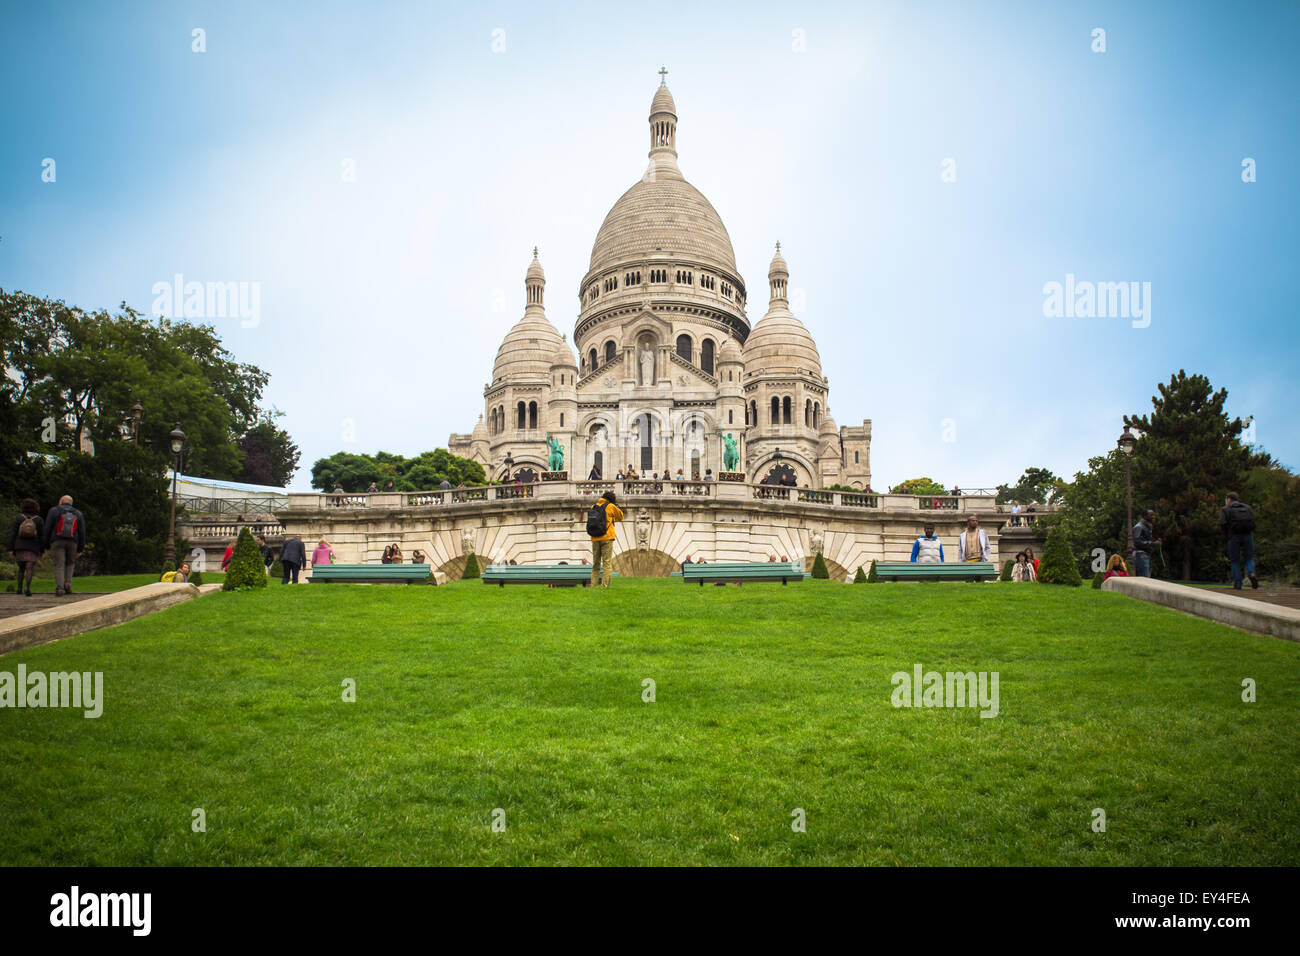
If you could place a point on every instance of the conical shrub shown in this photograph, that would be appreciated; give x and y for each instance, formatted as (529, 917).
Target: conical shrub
(471, 569)
(860, 577)
(246, 569)
(1097, 579)
(1058, 565)
(1006, 571)
(872, 577)
(819, 568)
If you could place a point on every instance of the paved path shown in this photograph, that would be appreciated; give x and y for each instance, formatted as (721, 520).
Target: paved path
(13, 604)
(1285, 597)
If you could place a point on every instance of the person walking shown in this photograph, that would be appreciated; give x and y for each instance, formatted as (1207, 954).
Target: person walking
(602, 517)
(1237, 522)
(27, 542)
(65, 537)
(322, 554)
(1145, 544)
(927, 549)
(292, 556)
(973, 544)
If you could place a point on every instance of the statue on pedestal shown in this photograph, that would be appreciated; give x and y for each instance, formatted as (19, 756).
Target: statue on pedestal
(731, 456)
(555, 461)
(647, 365)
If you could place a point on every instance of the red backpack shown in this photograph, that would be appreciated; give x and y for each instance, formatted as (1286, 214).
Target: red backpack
(66, 526)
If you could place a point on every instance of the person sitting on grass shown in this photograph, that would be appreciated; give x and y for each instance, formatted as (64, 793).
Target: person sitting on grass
(1023, 571)
(183, 575)
(1029, 553)
(1116, 568)
(927, 549)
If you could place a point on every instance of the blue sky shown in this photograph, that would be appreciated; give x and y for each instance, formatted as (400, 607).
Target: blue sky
(383, 300)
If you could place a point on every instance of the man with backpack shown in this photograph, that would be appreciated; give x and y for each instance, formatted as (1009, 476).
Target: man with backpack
(600, 528)
(65, 537)
(1237, 521)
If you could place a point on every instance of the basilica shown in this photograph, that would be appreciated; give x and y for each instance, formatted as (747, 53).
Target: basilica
(668, 371)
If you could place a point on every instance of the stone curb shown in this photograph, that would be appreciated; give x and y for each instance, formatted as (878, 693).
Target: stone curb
(53, 624)
(1257, 616)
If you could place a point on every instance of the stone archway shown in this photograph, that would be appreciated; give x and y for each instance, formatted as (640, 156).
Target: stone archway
(648, 563)
(455, 568)
(837, 571)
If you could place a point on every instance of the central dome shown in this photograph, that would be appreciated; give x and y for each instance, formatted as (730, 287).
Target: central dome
(663, 215)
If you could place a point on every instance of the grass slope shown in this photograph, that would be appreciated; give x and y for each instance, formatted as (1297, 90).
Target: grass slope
(471, 698)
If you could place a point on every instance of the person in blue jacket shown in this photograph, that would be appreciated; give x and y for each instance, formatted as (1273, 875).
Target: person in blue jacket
(927, 549)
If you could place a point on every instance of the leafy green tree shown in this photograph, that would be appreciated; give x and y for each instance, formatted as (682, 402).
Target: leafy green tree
(819, 571)
(1274, 493)
(471, 571)
(1036, 484)
(246, 569)
(1188, 455)
(424, 472)
(918, 486)
(270, 455)
(1058, 565)
(1093, 509)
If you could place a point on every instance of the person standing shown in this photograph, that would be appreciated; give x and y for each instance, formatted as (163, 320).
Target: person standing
(1237, 522)
(65, 537)
(230, 553)
(973, 545)
(292, 556)
(600, 528)
(1145, 543)
(1023, 571)
(927, 549)
(27, 542)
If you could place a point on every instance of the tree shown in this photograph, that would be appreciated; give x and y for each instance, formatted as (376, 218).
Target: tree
(819, 571)
(860, 577)
(471, 569)
(918, 486)
(872, 577)
(1058, 565)
(1188, 455)
(1036, 484)
(1274, 493)
(1006, 570)
(424, 472)
(270, 455)
(1093, 510)
(246, 568)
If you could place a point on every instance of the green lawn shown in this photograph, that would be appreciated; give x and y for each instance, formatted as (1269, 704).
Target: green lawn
(108, 583)
(769, 698)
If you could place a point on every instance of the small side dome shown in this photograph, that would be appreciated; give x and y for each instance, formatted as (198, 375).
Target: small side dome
(663, 101)
(528, 351)
(480, 431)
(780, 343)
(730, 353)
(563, 356)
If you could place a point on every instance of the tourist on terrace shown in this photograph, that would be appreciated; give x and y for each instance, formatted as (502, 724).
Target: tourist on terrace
(388, 485)
(620, 475)
(708, 474)
(444, 485)
(1015, 510)
(594, 475)
(927, 549)
(973, 545)
(373, 489)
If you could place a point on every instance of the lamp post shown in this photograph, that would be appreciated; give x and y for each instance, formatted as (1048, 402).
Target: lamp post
(509, 463)
(1126, 444)
(177, 445)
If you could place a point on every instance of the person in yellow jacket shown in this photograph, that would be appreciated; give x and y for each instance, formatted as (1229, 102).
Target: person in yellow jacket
(600, 528)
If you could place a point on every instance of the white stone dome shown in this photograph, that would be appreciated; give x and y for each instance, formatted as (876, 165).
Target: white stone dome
(660, 217)
(780, 343)
(528, 350)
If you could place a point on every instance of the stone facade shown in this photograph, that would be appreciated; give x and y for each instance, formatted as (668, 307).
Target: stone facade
(666, 363)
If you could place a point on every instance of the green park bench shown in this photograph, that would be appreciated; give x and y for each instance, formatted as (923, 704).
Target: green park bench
(561, 575)
(948, 571)
(370, 574)
(737, 572)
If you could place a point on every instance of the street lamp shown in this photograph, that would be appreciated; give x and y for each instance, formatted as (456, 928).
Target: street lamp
(1126, 444)
(509, 463)
(177, 438)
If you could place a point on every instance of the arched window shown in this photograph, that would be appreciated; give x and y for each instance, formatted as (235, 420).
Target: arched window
(599, 461)
(817, 411)
(706, 355)
(776, 410)
(731, 419)
(786, 406)
(522, 410)
(807, 412)
(684, 346)
(592, 359)
(561, 419)
(532, 414)
(501, 418)
(610, 350)
(753, 414)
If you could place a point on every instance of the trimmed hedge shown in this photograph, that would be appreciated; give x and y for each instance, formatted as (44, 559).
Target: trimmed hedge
(1097, 579)
(246, 568)
(861, 576)
(471, 569)
(872, 577)
(1006, 570)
